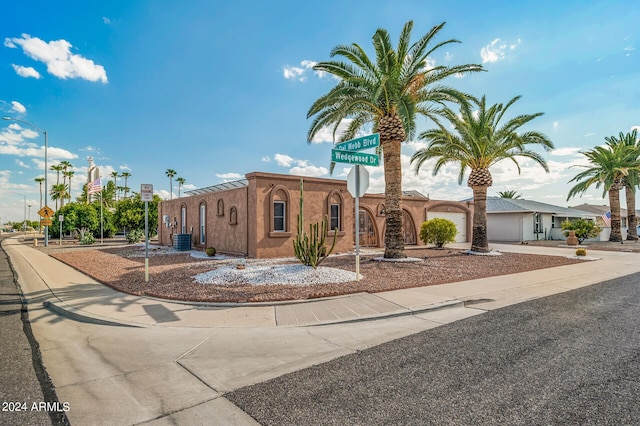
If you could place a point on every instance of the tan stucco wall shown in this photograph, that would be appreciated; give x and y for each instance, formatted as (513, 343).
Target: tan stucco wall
(219, 232)
(316, 193)
(253, 234)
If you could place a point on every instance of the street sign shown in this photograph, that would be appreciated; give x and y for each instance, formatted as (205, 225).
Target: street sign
(359, 144)
(351, 157)
(146, 192)
(358, 181)
(45, 222)
(46, 212)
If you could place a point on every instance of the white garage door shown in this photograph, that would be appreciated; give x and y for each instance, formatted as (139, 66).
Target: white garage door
(460, 219)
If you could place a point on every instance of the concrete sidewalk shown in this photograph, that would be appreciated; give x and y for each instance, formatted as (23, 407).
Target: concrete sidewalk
(65, 291)
(172, 363)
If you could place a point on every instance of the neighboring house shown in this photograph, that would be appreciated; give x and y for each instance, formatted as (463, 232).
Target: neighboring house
(257, 216)
(523, 220)
(600, 211)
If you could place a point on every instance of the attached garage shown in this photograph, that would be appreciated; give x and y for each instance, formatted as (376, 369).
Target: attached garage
(505, 226)
(459, 219)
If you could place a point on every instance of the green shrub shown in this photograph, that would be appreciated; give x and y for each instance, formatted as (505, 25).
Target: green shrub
(87, 238)
(135, 236)
(211, 251)
(438, 231)
(581, 252)
(585, 229)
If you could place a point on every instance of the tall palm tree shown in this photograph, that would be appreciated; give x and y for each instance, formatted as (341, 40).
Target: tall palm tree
(181, 182)
(115, 176)
(68, 174)
(40, 180)
(609, 166)
(630, 181)
(57, 168)
(170, 174)
(125, 175)
(59, 192)
(478, 141)
(511, 194)
(387, 95)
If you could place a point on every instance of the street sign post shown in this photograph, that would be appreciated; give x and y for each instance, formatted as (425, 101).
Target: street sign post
(358, 179)
(352, 157)
(357, 184)
(146, 195)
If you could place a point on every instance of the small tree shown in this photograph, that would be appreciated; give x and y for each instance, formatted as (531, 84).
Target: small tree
(438, 231)
(584, 229)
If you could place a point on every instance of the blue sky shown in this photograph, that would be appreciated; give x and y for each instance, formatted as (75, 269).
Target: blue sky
(216, 90)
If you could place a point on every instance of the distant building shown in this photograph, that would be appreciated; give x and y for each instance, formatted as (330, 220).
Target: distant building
(600, 211)
(93, 173)
(257, 216)
(516, 219)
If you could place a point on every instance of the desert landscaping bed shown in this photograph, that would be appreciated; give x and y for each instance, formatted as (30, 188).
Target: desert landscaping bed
(171, 275)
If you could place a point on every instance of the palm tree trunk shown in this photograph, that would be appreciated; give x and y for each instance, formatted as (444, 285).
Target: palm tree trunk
(614, 205)
(394, 232)
(630, 194)
(479, 240)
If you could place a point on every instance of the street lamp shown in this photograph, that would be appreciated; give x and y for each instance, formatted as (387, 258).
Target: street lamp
(46, 187)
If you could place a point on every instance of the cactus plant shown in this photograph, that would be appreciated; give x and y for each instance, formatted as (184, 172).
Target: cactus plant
(311, 248)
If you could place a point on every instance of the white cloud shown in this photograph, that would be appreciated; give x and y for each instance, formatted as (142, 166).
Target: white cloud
(309, 170)
(589, 134)
(106, 20)
(22, 164)
(58, 58)
(326, 133)
(300, 73)
(229, 176)
(18, 107)
(266, 159)
(299, 167)
(448, 57)
(294, 73)
(283, 160)
(495, 51)
(561, 152)
(556, 125)
(429, 63)
(26, 71)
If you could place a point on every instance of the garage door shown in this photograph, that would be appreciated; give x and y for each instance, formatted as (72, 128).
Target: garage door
(460, 219)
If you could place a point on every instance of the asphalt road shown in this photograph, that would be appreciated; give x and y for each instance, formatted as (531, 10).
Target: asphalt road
(23, 379)
(570, 359)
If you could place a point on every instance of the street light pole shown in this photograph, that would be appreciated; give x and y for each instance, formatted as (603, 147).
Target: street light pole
(46, 186)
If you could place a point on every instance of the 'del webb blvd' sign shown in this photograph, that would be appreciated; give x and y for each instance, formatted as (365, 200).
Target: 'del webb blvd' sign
(345, 152)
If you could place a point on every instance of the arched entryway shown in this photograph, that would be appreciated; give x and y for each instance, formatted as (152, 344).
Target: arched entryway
(410, 236)
(367, 229)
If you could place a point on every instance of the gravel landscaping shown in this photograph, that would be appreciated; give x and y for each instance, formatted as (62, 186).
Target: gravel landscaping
(182, 276)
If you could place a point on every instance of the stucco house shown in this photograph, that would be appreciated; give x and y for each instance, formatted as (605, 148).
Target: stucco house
(524, 220)
(599, 211)
(257, 216)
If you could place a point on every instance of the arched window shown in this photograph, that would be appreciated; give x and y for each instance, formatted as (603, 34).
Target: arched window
(279, 212)
(335, 210)
(203, 221)
(233, 216)
(220, 211)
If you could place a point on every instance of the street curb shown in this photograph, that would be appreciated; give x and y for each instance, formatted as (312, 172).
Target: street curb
(402, 313)
(70, 312)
